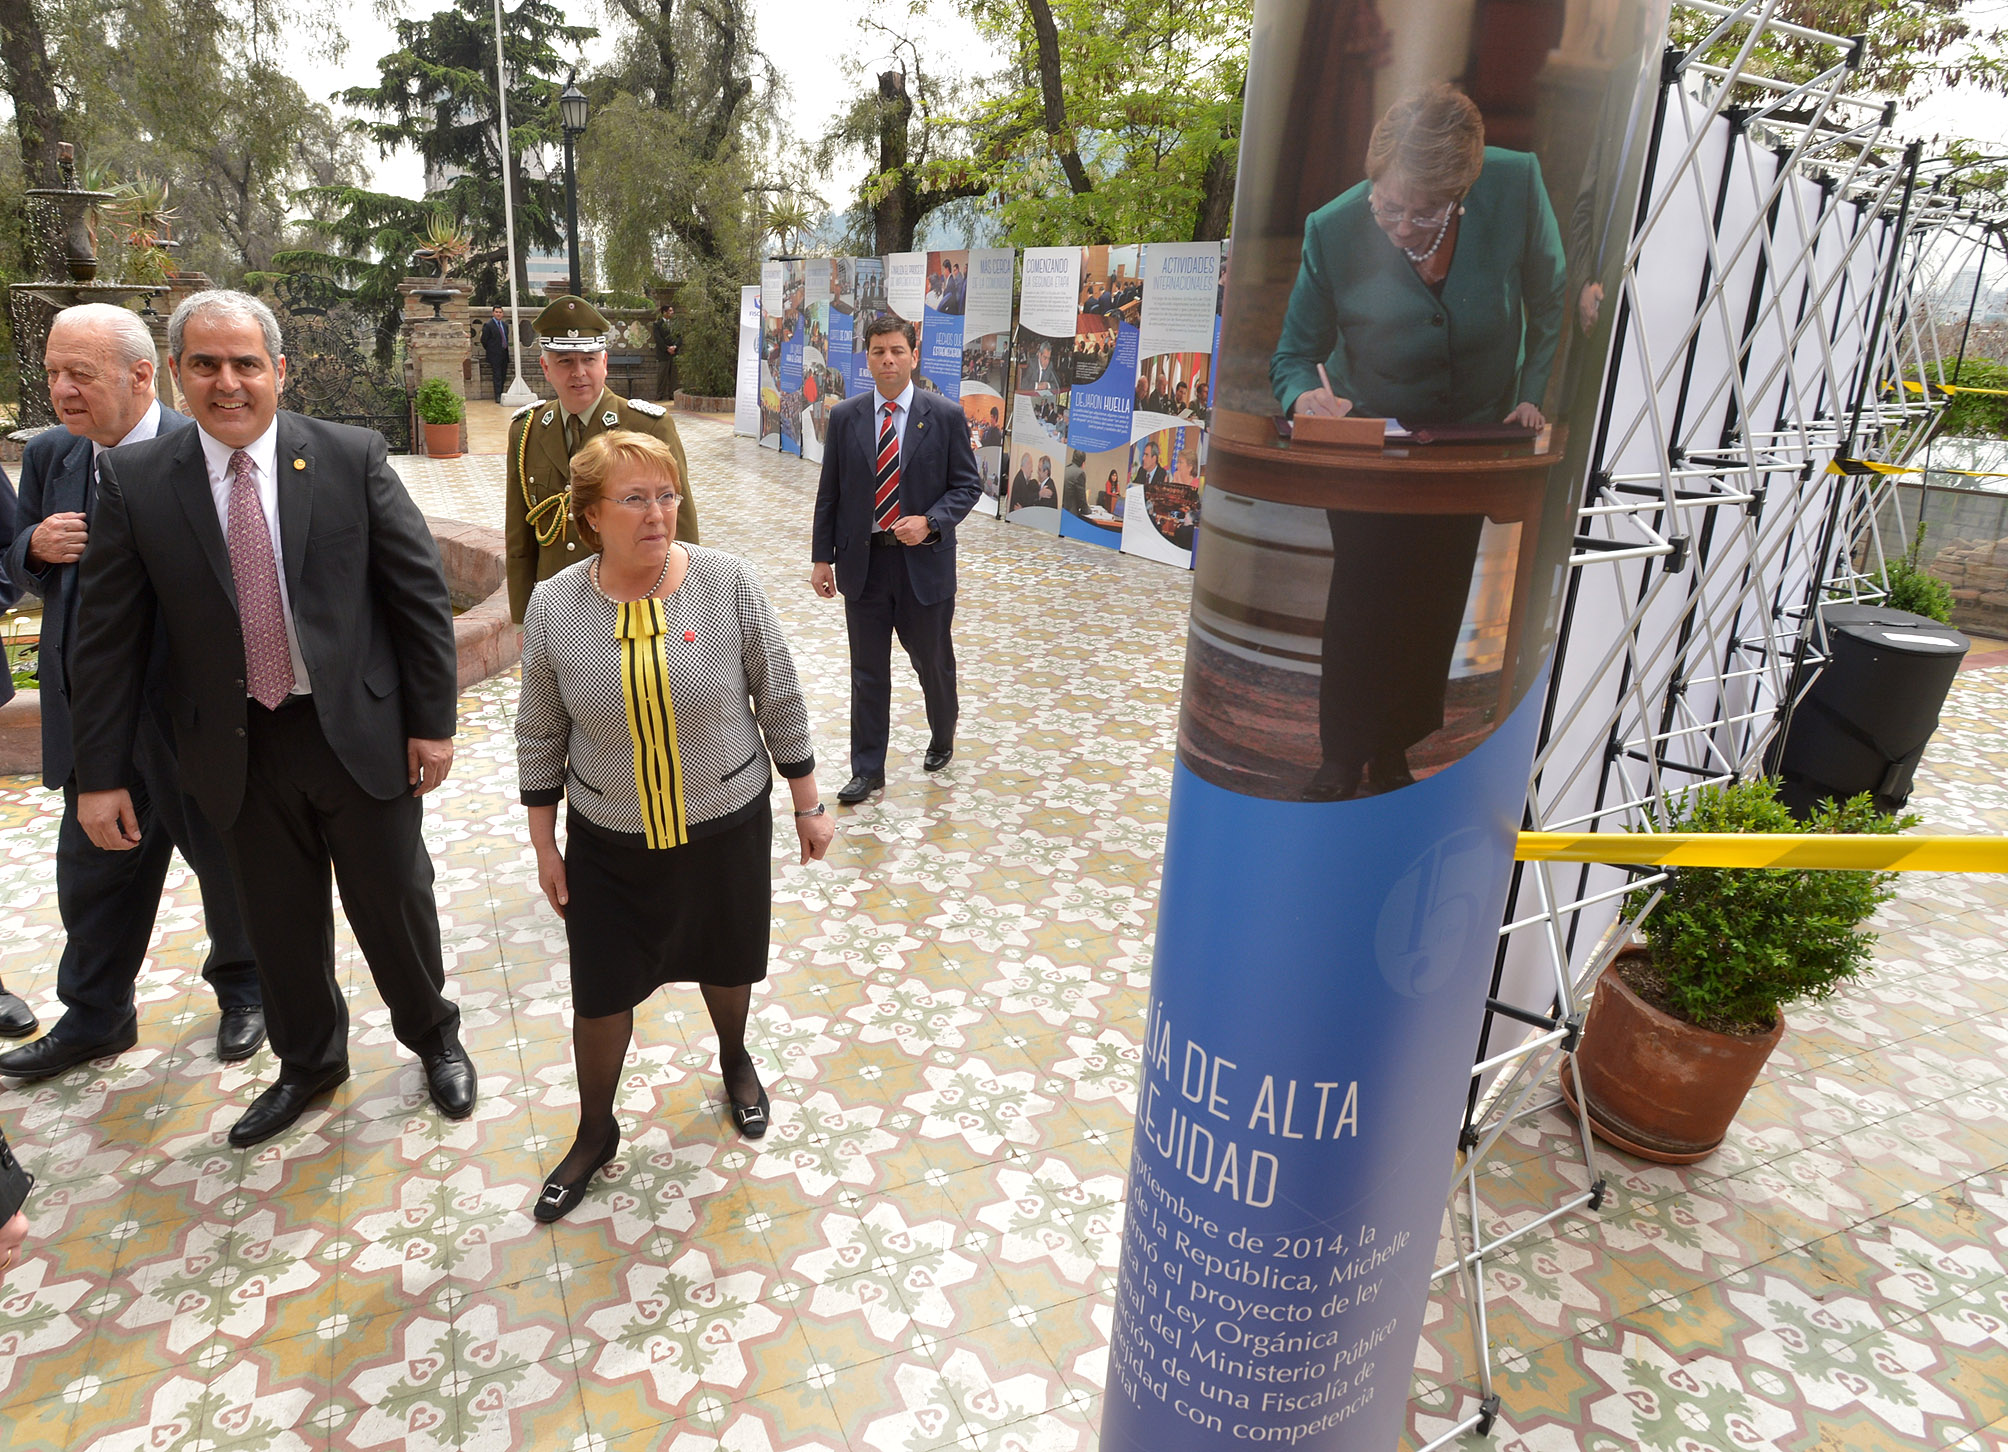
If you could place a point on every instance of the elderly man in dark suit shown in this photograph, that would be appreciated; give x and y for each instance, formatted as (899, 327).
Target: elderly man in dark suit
(898, 476)
(100, 366)
(17, 1020)
(310, 686)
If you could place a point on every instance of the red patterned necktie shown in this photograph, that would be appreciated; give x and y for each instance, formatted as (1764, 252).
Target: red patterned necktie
(268, 666)
(885, 501)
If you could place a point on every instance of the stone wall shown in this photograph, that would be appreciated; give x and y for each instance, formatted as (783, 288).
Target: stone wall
(1977, 574)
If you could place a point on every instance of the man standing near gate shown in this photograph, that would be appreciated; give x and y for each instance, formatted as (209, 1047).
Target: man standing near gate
(100, 365)
(898, 476)
(310, 683)
(668, 339)
(495, 348)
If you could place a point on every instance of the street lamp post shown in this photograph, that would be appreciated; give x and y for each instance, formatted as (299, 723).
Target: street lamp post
(572, 112)
(519, 392)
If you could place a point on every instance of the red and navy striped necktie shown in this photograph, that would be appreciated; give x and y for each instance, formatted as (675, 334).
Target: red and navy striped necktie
(885, 500)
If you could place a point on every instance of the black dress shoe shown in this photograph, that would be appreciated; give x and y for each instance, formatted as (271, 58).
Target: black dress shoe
(49, 1056)
(17, 1020)
(859, 787)
(449, 1075)
(274, 1111)
(751, 1119)
(1388, 772)
(938, 756)
(561, 1196)
(1334, 782)
(240, 1034)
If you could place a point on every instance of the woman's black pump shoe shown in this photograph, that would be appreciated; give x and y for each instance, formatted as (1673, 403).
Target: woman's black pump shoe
(752, 1119)
(561, 1197)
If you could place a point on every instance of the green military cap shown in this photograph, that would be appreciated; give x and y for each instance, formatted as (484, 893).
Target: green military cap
(572, 325)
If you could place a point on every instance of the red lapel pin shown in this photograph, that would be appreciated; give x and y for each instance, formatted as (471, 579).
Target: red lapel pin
(689, 637)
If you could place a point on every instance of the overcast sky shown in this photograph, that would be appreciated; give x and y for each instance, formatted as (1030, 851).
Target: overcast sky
(808, 40)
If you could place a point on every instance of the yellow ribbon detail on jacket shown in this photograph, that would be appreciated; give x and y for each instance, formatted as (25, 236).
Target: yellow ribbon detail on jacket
(1841, 851)
(658, 772)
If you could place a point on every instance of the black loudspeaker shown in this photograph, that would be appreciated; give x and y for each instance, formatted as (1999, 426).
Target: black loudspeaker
(1865, 723)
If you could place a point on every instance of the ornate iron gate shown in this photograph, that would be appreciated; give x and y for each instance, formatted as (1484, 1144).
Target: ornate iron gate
(331, 367)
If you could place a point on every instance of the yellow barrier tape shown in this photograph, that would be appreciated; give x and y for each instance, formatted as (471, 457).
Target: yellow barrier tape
(1871, 466)
(1915, 387)
(1854, 852)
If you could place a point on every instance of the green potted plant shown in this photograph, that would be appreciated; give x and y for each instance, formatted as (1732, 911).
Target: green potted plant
(440, 409)
(1681, 1026)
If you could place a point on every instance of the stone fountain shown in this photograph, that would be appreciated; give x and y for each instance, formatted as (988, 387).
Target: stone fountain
(66, 255)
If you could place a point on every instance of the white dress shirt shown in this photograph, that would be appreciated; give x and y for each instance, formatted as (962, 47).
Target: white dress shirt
(147, 427)
(901, 406)
(264, 452)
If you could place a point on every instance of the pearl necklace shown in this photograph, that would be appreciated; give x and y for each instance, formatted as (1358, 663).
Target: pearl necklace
(1441, 232)
(593, 574)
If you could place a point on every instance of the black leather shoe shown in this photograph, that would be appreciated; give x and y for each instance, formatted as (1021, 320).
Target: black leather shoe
(1388, 772)
(858, 788)
(560, 1197)
(49, 1056)
(240, 1034)
(751, 1120)
(274, 1111)
(17, 1020)
(938, 756)
(449, 1075)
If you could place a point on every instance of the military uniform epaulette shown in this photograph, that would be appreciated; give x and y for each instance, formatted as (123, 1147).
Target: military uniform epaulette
(530, 407)
(653, 410)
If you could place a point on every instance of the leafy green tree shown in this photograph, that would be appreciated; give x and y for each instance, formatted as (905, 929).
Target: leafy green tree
(1132, 106)
(1111, 121)
(1913, 45)
(682, 118)
(437, 93)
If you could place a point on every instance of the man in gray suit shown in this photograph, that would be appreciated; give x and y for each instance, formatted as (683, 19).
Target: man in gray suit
(310, 684)
(100, 366)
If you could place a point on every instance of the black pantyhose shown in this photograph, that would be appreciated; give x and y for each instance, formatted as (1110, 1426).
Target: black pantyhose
(599, 1048)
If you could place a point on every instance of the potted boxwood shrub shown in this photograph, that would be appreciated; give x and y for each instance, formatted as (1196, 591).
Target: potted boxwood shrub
(440, 409)
(1681, 1026)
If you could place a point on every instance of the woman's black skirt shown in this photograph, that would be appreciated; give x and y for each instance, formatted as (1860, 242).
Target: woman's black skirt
(638, 919)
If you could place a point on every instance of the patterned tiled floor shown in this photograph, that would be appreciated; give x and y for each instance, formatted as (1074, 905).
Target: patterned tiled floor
(920, 1255)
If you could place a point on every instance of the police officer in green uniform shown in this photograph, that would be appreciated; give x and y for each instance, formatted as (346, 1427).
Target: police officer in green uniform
(543, 437)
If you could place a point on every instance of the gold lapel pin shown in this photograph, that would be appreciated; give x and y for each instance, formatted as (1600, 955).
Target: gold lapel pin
(299, 463)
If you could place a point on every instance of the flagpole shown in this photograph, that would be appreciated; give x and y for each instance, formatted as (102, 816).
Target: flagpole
(519, 392)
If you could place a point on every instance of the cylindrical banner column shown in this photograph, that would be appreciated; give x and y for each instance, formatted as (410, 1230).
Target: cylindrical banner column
(1434, 203)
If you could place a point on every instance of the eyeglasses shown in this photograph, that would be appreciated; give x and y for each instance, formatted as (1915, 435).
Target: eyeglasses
(641, 503)
(1419, 220)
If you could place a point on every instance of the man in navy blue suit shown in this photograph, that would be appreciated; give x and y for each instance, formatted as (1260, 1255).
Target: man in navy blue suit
(898, 476)
(100, 365)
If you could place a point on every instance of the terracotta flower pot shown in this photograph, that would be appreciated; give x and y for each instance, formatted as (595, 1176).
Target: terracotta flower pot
(442, 441)
(1658, 1086)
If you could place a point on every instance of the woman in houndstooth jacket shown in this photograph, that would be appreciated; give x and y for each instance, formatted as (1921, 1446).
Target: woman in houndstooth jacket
(656, 688)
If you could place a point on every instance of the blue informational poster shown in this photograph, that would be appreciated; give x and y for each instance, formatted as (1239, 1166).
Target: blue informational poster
(1102, 400)
(945, 300)
(1176, 336)
(1036, 471)
(773, 322)
(794, 328)
(1371, 632)
(868, 278)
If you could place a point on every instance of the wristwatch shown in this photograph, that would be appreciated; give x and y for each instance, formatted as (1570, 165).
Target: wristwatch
(816, 811)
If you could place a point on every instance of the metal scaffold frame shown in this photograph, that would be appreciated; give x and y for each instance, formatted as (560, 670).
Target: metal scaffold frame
(1710, 530)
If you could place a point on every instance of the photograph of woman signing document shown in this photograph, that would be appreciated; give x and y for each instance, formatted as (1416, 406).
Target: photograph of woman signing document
(1431, 293)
